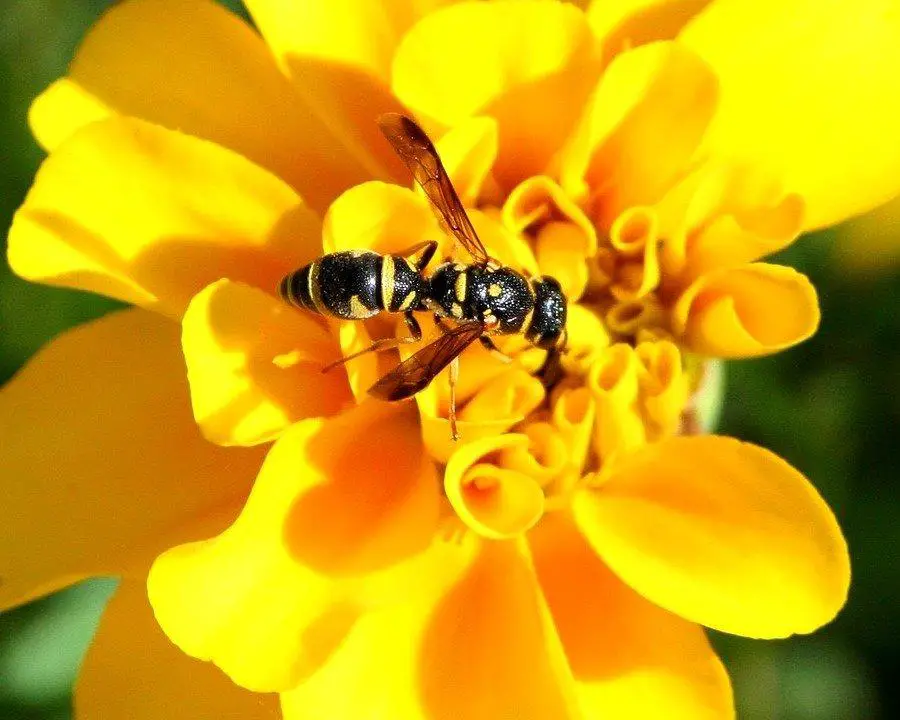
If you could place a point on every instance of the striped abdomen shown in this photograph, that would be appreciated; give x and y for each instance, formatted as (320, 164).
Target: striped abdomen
(354, 285)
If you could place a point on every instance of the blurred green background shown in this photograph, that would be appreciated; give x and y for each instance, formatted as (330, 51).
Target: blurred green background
(830, 407)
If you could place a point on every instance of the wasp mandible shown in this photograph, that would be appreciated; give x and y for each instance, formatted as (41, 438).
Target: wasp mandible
(480, 299)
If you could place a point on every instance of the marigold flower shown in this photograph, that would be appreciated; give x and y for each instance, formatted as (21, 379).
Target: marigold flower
(560, 560)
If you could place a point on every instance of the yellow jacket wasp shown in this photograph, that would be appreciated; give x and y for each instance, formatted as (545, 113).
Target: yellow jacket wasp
(482, 298)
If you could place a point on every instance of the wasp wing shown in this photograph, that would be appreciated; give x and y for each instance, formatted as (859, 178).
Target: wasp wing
(418, 153)
(414, 373)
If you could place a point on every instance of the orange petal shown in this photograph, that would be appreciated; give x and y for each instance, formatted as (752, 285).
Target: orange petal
(110, 466)
(746, 311)
(807, 94)
(133, 671)
(629, 657)
(644, 123)
(574, 413)
(722, 533)
(628, 23)
(473, 641)
(495, 502)
(240, 100)
(255, 365)
(529, 65)
(272, 597)
(151, 216)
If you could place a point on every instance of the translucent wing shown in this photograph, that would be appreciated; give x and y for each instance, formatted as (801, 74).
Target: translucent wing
(417, 151)
(414, 373)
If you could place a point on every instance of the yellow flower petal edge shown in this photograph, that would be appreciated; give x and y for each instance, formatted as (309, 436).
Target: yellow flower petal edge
(216, 80)
(720, 532)
(527, 63)
(151, 216)
(495, 502)
(808, 94)
(132, 670)
(747, 311)
(255, 365)
(628, 23)
(629, 657)
(94, 495)
(273, 596)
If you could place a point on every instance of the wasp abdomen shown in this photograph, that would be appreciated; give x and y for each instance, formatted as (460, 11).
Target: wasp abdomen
(344, 285)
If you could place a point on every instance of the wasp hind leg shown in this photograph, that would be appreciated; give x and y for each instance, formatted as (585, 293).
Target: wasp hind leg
(451, 414)
(383, 344)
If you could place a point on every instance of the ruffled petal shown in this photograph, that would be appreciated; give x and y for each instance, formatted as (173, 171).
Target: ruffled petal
(473, 641)
(133, 671)
(807, 92)
(529, 64)
(629, 657)
(255, 365)
(192, 66)
(642, 126)
(746, 311)
(151, 216)
(105, 461)
(722, 533)
(336, 502)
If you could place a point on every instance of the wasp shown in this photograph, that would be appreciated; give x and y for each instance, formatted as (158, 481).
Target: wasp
(478, 299)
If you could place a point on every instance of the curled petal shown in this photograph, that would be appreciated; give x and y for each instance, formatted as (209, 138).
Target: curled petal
(574, 414)
(635, 234)
(747, 311)
(544, 458)
(638, 135)
(241, 101)
(94, 495)
(529, 65)
(629, 657)
(613, 382)
(152, 216)
(157, 680)
(722, 533)
(559, 256)
(803, 96)
(664, 386)
(588, 338)
(495, 502)
(540, 199)
(255, 365)
(270, 599)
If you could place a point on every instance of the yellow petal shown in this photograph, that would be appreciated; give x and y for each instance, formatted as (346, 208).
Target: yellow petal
(628, 23)
(529, 64)
(151, 216)
(808, 94)
(107, 462)
(635, 235)
(722, 533)
(215, 79)
(613, 382)
(665, 387)
(133, 671)
(381, 217)
(574, 413)
(473, 641)
(642, 126)
(545, 457)
(495, 502)
(746, 311)
(871, 244)
(270, 598)
(588, 338)
(255, 365)
(468, 151)
(629, 657)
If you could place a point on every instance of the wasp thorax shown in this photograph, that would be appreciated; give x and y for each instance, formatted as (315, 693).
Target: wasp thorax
(502, 297)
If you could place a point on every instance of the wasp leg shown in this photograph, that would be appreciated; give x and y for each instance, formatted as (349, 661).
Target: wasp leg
(489, 345)
(385, 343)
(439, 321)
(427, 249)
(454, 378)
